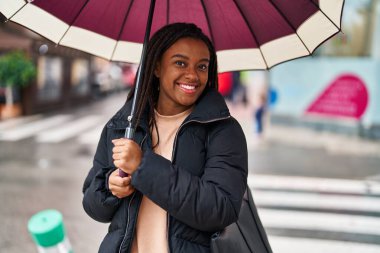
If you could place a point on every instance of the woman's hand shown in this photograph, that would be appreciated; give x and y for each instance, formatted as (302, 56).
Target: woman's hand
(126, 155)
(120, 186)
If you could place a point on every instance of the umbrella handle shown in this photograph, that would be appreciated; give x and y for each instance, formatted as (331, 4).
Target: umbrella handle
(129, 134)
(122, 173)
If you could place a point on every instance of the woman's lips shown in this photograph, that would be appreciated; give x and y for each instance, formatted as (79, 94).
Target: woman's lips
(188, 88)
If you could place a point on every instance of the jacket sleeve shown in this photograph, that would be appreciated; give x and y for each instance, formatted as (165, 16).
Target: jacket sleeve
(210, 202)
(98, 201)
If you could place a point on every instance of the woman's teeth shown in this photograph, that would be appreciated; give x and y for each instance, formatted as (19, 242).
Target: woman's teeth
(187, 87)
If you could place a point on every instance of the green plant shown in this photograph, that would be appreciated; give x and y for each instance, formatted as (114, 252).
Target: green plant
(16, 70)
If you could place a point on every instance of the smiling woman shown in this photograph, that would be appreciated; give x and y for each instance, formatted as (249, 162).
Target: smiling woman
(186, 181)
(183, 69)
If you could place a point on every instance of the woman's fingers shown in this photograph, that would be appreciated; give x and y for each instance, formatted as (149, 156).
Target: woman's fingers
(122, 142)
(118, 156)
(126, 155)
(120, 181)
(122, 192)
(118, 149)
(120, 187)
(121, 164)
(116, 180)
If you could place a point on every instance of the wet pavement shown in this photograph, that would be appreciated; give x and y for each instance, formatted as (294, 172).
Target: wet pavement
(36, 175)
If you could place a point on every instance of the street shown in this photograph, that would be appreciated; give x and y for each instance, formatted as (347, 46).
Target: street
(316, 192)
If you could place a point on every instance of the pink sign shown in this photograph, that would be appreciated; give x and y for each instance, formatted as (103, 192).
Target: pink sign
(346, 96)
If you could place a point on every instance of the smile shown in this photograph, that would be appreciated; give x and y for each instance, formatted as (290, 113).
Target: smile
(188, 88)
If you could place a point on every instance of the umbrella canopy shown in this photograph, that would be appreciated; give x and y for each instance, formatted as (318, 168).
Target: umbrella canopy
(247, 34)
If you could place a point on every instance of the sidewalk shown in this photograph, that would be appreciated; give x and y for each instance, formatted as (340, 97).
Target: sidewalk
(333, 143)
(304, 137)
(289, 151)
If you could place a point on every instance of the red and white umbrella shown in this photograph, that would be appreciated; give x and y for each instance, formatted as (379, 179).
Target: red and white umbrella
(247, 34)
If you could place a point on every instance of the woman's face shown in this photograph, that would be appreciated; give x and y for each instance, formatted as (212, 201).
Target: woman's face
(183, 74)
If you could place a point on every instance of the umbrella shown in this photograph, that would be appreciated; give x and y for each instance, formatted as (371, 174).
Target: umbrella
(247, 34)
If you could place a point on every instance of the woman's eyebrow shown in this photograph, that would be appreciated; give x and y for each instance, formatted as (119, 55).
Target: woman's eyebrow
(187, 58)
(180, 56)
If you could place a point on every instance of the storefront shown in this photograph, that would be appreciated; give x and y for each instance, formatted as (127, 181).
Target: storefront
(63, 74)
(63, 79)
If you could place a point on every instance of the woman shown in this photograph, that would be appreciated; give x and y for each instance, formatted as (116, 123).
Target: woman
(187, 164)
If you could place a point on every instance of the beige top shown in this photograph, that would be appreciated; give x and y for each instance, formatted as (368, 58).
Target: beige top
(151, 228)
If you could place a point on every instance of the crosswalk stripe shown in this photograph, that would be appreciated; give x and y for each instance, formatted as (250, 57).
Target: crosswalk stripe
(282, 244)
(363, 187)
(9, 123)
(315, 221)
(328, 202)
(68, 130)
(91, 137)
(32, 128)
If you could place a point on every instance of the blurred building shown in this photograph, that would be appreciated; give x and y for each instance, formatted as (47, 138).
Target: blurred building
(63, 74)
(338, 88)
(65, 77)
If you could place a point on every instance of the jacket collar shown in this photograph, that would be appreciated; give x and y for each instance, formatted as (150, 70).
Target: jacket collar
(209, 107)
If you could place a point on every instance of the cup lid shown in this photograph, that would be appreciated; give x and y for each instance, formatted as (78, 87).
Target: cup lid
(46, 228)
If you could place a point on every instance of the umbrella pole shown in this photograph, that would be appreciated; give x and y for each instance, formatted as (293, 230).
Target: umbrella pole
(130, 130)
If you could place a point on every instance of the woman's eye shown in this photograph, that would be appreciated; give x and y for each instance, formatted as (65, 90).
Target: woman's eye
(203, 67)
(180, 63)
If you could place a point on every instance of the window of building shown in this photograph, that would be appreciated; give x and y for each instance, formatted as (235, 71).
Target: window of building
(80, 77)
(49, 78)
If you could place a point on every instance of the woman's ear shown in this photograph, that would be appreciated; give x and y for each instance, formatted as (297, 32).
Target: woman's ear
(157, 70)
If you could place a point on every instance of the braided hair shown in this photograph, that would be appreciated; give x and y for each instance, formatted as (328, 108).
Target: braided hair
(158, 44)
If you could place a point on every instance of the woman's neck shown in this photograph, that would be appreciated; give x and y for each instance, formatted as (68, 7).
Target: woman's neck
(171, 110)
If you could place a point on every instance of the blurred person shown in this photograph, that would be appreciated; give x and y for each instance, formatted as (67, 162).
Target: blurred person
(238, 90)
(259, 112)
(256, 83)
(187, 167)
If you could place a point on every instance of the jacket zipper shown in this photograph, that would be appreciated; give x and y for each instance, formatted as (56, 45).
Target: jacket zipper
(128, 219)
(173, 155)
(167, 230)
(129, 207)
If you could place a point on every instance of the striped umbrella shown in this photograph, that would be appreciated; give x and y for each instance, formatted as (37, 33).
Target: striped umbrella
(247, 34)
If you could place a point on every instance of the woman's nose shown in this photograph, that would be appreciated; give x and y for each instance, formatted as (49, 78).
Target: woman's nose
(191, 74)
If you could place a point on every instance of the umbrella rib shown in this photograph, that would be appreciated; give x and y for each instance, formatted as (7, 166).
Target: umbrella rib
(73, 21)
(252, 33)
(18, 11)
(319, 8)
(287, 21)
(122, 28)
(208, 21)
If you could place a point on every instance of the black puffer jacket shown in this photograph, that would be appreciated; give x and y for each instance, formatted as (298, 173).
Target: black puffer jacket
(201, 189)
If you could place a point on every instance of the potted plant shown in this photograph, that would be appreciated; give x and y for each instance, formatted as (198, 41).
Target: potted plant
(16, 71)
